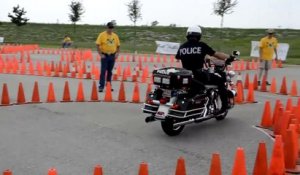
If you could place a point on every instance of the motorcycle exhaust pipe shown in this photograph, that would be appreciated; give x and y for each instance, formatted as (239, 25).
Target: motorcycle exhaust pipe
(191, 121)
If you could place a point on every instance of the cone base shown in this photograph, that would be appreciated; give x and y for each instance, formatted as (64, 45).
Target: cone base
(294, 171)
(94, 101)
(34, 102)
(21, 103)
(66, 101)
(240, 103)
(120, 101)
(6, 104)
(282, 93)
(252, 101)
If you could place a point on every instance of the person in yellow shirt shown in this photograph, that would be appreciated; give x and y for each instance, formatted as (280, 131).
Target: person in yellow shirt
(67, 42)
(108, 47)
(267, 47)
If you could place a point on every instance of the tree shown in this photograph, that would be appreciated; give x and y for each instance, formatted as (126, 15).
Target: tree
(76, 12)
(154, 23)
(172, 25)
(223, 7)
(18, 16)
(114, 22)
(134, 13)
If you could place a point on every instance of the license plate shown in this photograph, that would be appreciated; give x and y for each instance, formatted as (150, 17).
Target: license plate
(162, 112)
(167, 93)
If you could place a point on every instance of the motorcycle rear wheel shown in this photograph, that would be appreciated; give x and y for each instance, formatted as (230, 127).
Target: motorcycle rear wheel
(167, 127)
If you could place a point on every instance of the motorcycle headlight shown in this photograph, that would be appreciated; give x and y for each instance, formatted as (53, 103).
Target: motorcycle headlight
(165, 81)
(231, 74)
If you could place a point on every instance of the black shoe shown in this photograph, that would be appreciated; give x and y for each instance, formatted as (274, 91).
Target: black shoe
(258, 83)
(268, 83)
(100, 90)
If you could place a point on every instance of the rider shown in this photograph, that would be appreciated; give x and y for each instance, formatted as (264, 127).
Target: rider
(192, 54)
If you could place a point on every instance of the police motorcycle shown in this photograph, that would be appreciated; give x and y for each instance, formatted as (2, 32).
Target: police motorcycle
(172, 104)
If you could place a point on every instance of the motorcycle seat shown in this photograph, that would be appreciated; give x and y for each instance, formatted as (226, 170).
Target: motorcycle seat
(211, 86)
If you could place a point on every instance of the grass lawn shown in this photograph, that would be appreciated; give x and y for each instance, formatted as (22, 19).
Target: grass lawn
(51, 35)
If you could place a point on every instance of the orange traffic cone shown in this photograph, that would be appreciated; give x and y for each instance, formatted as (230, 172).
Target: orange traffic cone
(180, 168)
(215, 166)
(261, 162)
(31, 68)
(21, 95)
(98, 170)
(35, 94)
(277, 160)
(5, 96)
(124, 76)
(250, 97)
(143, 169)
(66, 95)
(290, 151)
(276, 110)
(94, 95)
(266, 121)
(283, 89)
(246, 85)
(280, 64)
(52, 171)
(108, 94)
(239, 167)
(294, 89)
(239, 98)
(285, 120)
(39, 69)
(273, 88)
(263, 87)
(278, 120)
(255, 82)
(136, 94)
(122, 96)
(51, 94)
(80, 93)
(149, 89)
(289, 105)
(7, 172)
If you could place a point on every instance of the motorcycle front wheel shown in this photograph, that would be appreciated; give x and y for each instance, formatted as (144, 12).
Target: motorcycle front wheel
(217, 106)
(167, 127)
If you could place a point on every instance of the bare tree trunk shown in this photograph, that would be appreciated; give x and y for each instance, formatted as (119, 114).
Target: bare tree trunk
(74, 27)
(222, 21)
(134, 42)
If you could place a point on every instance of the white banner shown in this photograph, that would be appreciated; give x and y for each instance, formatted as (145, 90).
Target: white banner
(167, 47)
(1, 39)
(282, 50)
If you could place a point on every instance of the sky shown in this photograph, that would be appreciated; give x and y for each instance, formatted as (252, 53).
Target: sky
(247, 14)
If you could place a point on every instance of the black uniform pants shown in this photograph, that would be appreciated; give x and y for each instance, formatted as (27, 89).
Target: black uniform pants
(204, 78)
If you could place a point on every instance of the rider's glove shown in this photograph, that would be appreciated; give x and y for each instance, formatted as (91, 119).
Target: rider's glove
(229, 60)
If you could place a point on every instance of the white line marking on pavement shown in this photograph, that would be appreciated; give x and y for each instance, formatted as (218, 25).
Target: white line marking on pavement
(263, 131)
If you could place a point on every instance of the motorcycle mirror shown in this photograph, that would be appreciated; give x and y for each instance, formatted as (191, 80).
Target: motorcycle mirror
(236, 53)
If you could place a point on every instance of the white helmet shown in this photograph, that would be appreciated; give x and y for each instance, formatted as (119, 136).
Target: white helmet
(194, 30)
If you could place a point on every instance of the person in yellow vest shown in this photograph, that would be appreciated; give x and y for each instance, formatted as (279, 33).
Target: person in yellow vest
(108, 47)
(67, 42)
(267, 48)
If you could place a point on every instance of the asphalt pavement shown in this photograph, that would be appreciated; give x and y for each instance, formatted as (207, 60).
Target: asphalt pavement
(74, 137)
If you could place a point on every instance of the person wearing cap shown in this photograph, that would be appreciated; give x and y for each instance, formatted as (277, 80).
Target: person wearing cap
(67, 42)
(267, 48)
(108, 47)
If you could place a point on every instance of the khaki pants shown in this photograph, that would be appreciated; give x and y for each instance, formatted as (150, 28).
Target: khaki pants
(265, 64)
